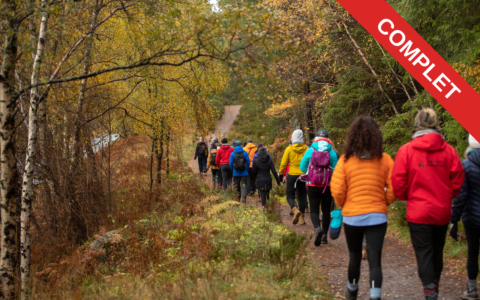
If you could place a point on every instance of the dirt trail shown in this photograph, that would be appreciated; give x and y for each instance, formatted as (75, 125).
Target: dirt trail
(221, 129)
(400, 279)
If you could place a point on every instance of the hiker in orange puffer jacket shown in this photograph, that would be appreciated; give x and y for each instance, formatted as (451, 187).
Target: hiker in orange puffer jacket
(358, 186)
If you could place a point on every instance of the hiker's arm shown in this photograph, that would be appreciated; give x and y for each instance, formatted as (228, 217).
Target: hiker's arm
(196, 152)
(230, 162)
(247, 158)
(208, 163)
(217, 159)
(284, 162)
(389, 195)
(333, 159)
(459, 203)
(274, 172)
(305, 161)
(338, 185)
(400, 174)
(457, 174)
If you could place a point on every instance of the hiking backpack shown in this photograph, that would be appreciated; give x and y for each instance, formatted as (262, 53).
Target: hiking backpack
(239, 162)
(202, 150)
(319, 171)
(213, 156)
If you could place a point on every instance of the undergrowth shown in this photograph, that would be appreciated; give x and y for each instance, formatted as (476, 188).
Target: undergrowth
(189, 243)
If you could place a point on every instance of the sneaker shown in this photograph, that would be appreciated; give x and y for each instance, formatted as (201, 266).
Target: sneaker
(324, 239)
(318, 236)
(351, 295)
(472, 295)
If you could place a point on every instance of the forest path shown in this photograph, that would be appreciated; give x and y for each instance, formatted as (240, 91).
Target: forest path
(400, 278)
(221, 129)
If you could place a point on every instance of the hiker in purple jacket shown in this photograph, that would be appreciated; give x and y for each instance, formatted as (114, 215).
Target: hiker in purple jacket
(319, 194)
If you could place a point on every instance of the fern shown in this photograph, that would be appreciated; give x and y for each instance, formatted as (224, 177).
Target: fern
(221, 207)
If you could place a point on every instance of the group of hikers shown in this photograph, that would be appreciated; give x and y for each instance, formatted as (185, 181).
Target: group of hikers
(247, 165)
(427, 173)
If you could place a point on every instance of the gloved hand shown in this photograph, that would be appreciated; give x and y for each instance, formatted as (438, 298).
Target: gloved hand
(454, 231)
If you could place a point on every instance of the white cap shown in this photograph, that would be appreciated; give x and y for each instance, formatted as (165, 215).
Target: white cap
(472, 142)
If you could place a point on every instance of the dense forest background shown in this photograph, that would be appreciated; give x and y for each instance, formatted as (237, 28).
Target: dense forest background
(77, 75)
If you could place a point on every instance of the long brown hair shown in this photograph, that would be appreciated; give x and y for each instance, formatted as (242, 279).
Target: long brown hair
(364, 139)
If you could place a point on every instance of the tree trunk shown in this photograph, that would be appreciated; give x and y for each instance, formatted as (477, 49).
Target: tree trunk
(167, 153)
(8, 161)
(360, 52)
(154, 141)
(27, 188)
(159, 155)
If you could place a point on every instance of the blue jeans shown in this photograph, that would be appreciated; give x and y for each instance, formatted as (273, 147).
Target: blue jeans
(202, 164)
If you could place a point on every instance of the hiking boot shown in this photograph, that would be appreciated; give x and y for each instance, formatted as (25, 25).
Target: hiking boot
(318, 236)
(214, 185)
(351, 295)
(291, 212)
(469, 295)
(296, 215)
(430, 291)
(324, 239)
(301, 220)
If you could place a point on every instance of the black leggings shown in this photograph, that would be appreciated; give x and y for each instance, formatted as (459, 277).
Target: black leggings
(375, 236)
(473, 238)
(428, 242)
(264, 195)
(318, 198)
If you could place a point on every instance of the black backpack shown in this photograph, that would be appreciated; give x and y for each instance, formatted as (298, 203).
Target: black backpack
(213, 156)
(202, 150)
(239, 162)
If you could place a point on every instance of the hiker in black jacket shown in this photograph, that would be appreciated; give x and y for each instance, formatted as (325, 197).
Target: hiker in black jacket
(262, 167)
(467, 206)
(201, 151)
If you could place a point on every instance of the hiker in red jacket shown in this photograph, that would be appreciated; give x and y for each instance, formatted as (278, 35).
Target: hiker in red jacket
(222, 160)
(428, 174)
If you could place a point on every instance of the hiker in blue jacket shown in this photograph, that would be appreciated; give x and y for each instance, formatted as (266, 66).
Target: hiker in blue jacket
(467, 206)
(240, 170)
(320, 195)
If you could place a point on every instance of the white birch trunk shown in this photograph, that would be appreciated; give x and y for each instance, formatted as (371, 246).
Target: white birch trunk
(8, 162)
(27, 182)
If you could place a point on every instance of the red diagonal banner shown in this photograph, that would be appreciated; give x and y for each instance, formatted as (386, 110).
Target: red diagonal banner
(419, 59)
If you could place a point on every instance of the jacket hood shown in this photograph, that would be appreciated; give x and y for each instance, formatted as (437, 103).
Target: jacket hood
(297, 137)
(299, 148)
(213, 151)
(225, 146)
(429, 142)
(263, 157)
(238, 149)
(322, 146)
(250, 146)
(474, 157)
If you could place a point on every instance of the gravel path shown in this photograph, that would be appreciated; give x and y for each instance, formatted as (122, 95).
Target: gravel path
(400, 279)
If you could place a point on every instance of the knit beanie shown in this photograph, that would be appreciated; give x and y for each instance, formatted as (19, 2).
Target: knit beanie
(262, 151)
(224, 141)
(472, 142)
(322, 133)
(297, 137)
(259, 145)
(249, 141)
(215, 139)
(426, 119)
